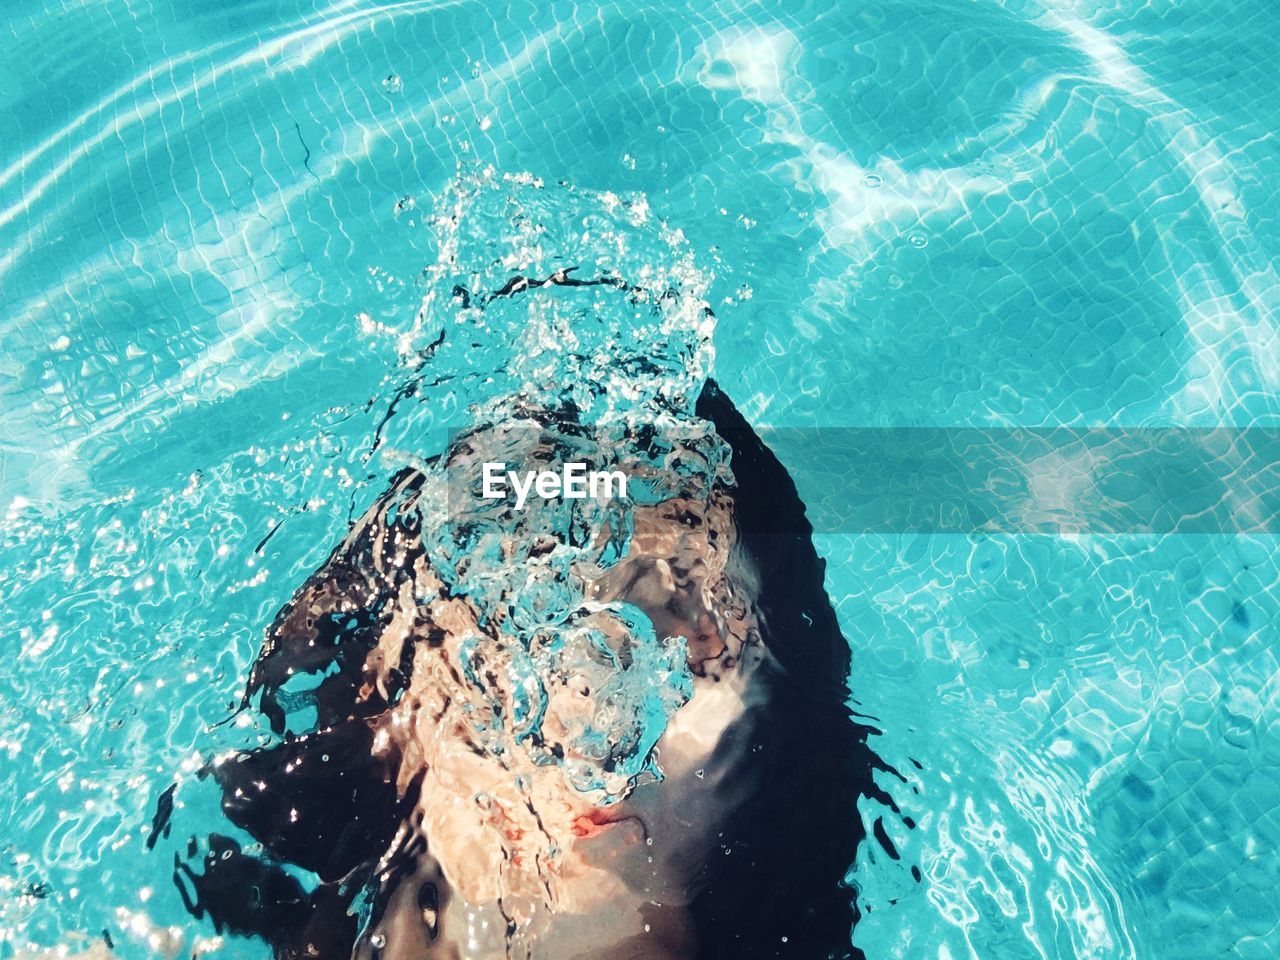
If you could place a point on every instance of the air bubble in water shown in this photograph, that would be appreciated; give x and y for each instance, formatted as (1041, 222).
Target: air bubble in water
(392, 84)
(329, 446)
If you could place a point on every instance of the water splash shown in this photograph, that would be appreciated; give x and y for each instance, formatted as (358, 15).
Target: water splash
(612, 341)
(556, 296)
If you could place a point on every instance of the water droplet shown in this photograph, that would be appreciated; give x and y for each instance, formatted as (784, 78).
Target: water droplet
(919, 240)
(330, 446)
(873, 180)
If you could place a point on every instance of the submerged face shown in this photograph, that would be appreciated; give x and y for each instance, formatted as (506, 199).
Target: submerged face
(575, 735)
(536, 840)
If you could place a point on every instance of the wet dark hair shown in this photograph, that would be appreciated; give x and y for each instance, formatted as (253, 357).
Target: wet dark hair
(320, 801)
(778, 889)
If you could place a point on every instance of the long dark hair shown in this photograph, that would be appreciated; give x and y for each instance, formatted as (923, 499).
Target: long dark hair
(321, 801)
(777, 888)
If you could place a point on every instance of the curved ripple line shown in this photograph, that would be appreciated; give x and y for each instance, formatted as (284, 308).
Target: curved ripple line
(1201, 293)
(219, 351)
(323, 35)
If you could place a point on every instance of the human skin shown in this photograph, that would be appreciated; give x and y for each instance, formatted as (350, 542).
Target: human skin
(526, 864)
(428, 838)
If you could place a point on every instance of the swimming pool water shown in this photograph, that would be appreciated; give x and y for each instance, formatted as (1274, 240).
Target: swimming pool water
(214, 224)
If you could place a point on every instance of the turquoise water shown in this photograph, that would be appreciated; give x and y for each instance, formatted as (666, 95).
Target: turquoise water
(223, 232)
